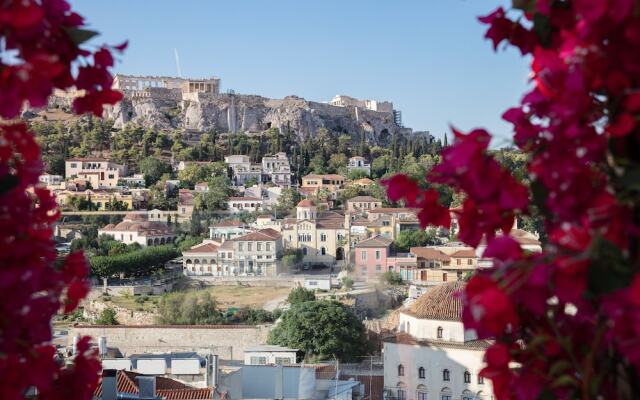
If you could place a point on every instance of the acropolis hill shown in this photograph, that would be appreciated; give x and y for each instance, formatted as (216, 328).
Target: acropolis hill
(197, 105)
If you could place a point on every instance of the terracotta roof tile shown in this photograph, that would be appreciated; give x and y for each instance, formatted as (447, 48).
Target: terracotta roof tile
(405, 338)
(306, 203)
(429, 253)
(465, 253)
(166, 388)
(439, 303)
(203, 248)
(376, 241)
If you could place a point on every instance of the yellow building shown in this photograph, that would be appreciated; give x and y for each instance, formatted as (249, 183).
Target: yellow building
(330, 182)
(323, 236)
(100, 199)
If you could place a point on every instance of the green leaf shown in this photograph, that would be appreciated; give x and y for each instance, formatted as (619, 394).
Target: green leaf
(609, 270)
(542, 28)
(558, 367)
(7, 183)
(540, 194)
(564, 380)
(546, 394)
(524, 5)
(79, 36)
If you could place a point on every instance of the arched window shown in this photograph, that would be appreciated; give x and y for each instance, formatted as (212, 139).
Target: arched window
(421, 373)
(400, 370)
(480, 380)
(421, 392)
(445, 394)
(402, 391)
(467, 395)
(467, 377)
(446, 375)
(439, 332)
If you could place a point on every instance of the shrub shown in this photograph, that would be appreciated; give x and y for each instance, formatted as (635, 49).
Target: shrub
(107, 317)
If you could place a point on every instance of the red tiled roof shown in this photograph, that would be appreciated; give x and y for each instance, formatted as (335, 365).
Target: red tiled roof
(465, 253)
(166, 388)
(271, 232)
(87, 159)
(376, 241)
(203, 248)
(405, 338)
(306, 203)
(258, 235)
(327, 176)
(441, 303)
(429, 253)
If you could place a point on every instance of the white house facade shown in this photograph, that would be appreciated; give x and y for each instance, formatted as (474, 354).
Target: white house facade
(433, 357)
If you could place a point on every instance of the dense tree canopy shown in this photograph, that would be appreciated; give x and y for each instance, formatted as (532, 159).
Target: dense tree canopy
(323, 330)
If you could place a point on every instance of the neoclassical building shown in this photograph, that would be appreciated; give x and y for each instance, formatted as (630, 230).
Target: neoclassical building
(135, 228)
(323, 236)
(432, 357)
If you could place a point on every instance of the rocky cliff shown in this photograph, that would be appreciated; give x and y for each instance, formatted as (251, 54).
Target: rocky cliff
(249, 113)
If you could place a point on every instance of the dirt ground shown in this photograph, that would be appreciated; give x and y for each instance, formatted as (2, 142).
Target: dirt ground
(247, 296)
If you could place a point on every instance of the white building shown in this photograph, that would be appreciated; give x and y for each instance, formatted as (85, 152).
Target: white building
(433, 357)
(266, 354)
(319, 283)
(135, 228)
(359, 163)
(248, 204)
(50, 180)
(136, 180)
(373, 105)
(100, 172)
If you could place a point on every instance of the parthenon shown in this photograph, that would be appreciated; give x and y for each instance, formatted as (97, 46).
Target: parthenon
(132, 83)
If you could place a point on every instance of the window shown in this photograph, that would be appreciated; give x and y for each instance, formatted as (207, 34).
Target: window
(467, 377)
(439, 334)
(249, 246)
(268, 246)
(111, 176)
(363, 255)
(74, 165)
(323, 237)
(446, 375)
(421, 373)
(402, 394)
(470, 261)
(259, 246)
(444, 277)
(258, 360)
(422, 395)
(458, 261)
(240, 246)
(283, 361)
(400, 370)
(480, 380)
(377, 254)
(323, 251)
(445, 397)
(378, 268)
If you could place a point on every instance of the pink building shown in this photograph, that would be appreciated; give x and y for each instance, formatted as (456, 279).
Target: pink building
(374, 256)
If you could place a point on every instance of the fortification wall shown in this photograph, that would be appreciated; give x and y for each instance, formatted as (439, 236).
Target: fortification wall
(227, 341)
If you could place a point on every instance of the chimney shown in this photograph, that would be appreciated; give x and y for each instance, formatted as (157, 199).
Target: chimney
(102, 346)
(212, 370)
(109, 384)
(74, 344)
(146, 387)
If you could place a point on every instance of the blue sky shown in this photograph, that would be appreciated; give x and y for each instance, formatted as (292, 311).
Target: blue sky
(428, 57)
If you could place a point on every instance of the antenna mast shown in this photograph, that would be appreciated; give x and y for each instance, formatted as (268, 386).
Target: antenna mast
(175, 51)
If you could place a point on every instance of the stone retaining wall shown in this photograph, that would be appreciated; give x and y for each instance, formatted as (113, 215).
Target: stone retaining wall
(227, 341)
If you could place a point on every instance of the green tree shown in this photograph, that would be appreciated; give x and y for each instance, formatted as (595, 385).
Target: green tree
(107, 317)
(415, 238)
(300, 295)
(323, 330)
(391, 278)
(153, 169)
(288, 200)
